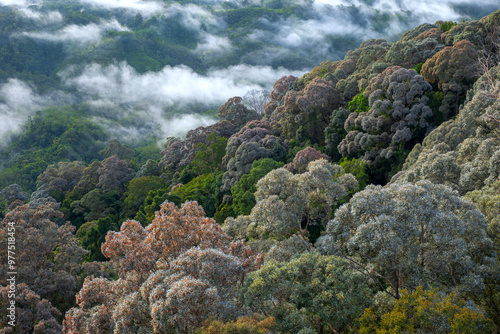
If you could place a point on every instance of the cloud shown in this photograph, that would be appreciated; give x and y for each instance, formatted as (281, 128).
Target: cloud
(145, 8)
(326, 29)
(44, 18)
(117, 92)
(120, 83)
(179, 126)
(18, 101)
(211, 47)
(78, 33)
(194, 17)
(132, 105)
(19, 3)
(428, 10)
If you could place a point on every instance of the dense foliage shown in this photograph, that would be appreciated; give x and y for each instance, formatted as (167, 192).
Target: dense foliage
(362, 197)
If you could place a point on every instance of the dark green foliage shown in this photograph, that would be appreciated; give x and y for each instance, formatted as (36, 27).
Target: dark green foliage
(204, 189)
(447, 25)
(152, 204)
(224, 211)
(149, 49)
(92, 234)
(357, 168)
(435, 102)
(384, 169)
(52, 135)
(359, 103)
(418, 67)
(146, 151)
(137, 191)
(243, 191)
(335, 132)
(208, 159)
(94, 205)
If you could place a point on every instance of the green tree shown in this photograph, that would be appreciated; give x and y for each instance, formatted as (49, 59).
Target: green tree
(91, 236)
(137, 191)
(411, 235)
(428, 311)
(243, 191)
(208, 159)
(310, 291)
(244, 325)
(204, 189)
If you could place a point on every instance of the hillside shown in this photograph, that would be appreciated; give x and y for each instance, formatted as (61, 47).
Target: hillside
(358, 194)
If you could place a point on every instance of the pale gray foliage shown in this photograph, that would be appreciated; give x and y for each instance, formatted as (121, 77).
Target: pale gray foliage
(410, 53)
(463, 153)
(287, 203)
(63, 176)
(40, 197)
(285, 250)
(412, 234)
(13, 192)
(114, 174)
(254, 141)
(397, 110)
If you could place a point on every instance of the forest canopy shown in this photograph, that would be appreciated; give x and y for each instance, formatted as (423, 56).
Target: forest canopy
(344, 184)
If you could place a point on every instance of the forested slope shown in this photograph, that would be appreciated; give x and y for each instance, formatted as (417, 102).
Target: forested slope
(362, 197)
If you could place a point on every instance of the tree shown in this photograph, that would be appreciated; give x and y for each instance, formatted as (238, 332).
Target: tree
(462, 153)
(48, 261)
(201, 283)
(174, 274)
(33, 314)
(61, 177)
(95, 204)
(409, 53)
(289, 204)
(256, 100)
(92, 234)
(246, 325)
(208, 159)
(280, 88)
(137, 191)
(243, 191)
(114, 174)
(411, 235)
(428, 311)
(306, 113)
(10, 197)
(488, 201)
(454, 70)
(335, 132)
(235, 111)
(398, 116)
(95, 301)
(150, 168)
(302, 160)
(310, 291)
(204, 189)
(115, 148)
(12, 193)
(88, 181)
(254, 141)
